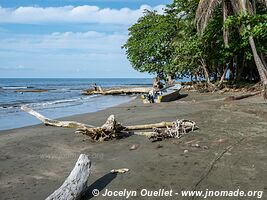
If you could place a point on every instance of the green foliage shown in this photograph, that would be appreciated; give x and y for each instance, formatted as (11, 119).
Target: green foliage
(188, 56)
(188, 51)
(169, 43)
(149, 47)
(255, 26)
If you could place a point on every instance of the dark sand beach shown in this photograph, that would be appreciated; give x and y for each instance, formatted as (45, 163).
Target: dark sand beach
(231, 151)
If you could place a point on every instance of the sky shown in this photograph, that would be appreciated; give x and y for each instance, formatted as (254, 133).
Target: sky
(68, 38)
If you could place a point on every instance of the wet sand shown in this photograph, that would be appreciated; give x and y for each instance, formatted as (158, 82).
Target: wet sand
(34, 161)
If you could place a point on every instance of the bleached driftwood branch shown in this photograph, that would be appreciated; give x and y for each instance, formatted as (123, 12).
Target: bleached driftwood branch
(148, 126)
(51, 122)
(111, 128)
(76, 183)
(118, 91)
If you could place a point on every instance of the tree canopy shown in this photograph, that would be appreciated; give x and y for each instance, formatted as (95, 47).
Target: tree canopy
(149, 47)
(202, 40)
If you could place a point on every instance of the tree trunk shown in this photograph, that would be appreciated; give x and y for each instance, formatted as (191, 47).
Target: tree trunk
(261, 69)
(232, 70)
(76, 183)
(206, 74)
(225, 30)
(240, 66)
(254, 7)
(263, 60)
(265, 90)
(223, 76)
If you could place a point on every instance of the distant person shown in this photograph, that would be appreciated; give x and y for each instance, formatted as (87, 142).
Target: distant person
(157, 84)
(170, 81)
(94, 86)
(151, 96)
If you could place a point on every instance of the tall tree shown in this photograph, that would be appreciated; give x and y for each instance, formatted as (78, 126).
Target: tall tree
(205, 12)
(149, 46)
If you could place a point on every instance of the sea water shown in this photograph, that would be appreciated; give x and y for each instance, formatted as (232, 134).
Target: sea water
(63, 98)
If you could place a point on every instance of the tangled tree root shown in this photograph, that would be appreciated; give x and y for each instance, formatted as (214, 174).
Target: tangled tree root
(107, 131)
(177, 130)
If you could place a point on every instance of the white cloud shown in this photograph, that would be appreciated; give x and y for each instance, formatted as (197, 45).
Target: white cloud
(16, 68)
(66, 42)
(64, 54)
(71, 14)
(67, 54)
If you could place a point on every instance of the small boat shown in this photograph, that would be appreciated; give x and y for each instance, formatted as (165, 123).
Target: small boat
(166, 94)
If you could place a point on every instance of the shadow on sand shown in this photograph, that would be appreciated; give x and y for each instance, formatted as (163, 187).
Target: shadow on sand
(182, 96)
(99, 184)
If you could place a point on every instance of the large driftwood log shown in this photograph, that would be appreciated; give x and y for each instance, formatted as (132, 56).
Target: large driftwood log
(76, 183)
(112, 128)
(118, 91)
(51, 122)
(242, 96)
(161, 130)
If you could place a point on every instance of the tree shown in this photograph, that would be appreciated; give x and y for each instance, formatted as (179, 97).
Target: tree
(188, 52)
(204, 13)
(202, 39)
(194, 54)
(149, 46)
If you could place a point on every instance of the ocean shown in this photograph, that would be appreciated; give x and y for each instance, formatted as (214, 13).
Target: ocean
(63, 98)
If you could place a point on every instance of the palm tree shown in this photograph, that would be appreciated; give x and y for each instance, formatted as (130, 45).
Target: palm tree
(204, 14)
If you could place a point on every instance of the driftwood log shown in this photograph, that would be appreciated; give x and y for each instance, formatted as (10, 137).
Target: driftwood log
(148, 126)
(118, 91)
(242, 96)
(76, 183)
(51, 122)
(113, 129)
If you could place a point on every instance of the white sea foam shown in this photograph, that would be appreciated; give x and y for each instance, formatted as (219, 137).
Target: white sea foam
(61, 102)
(14, 87)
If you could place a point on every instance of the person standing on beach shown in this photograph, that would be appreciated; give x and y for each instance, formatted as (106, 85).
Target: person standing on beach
(157, 84)
(170, 81)
(97, 88)
(94, 86)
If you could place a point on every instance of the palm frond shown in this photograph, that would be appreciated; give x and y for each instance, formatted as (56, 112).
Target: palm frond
(236, 6)
(204, 12)
(251, 8)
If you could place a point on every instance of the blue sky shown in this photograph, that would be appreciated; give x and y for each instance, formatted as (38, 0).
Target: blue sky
(68, 38)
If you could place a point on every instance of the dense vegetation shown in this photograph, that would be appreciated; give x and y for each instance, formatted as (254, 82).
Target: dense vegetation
(203, 40)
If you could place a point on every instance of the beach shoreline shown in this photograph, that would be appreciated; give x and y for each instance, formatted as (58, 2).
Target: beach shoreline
(26, 120)
(35, 160)
(64, 97)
